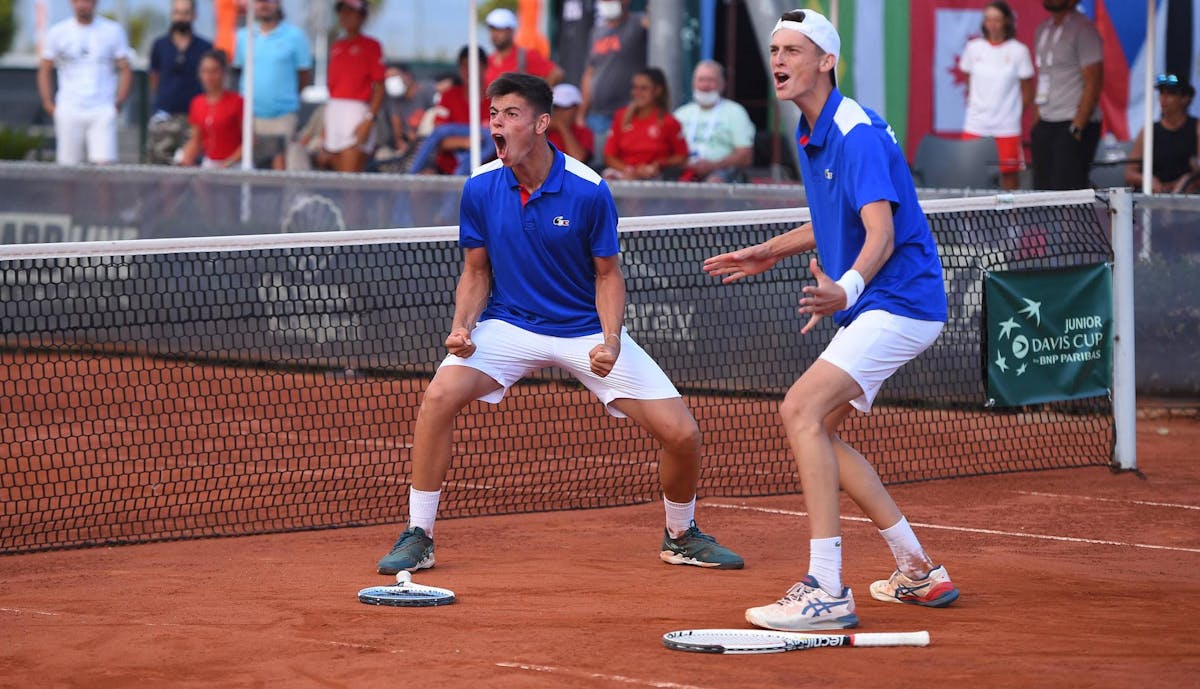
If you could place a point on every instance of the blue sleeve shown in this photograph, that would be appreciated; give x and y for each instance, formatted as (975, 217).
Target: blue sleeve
(604, 223)
(868, 171)
(471, 227)
(303, 55)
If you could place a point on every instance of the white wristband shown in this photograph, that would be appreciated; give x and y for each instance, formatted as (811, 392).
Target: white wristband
(852, 283)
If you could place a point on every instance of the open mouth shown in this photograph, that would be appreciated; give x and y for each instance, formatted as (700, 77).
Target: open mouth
(781, 78)
(501, 145)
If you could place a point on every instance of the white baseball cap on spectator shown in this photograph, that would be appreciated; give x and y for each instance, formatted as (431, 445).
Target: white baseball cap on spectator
(567, 96)
(501, 18)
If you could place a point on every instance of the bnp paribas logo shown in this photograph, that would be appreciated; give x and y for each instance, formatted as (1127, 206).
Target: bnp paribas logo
(1012, 335)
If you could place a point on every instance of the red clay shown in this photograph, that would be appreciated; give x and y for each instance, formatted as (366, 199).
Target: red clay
(580, 598)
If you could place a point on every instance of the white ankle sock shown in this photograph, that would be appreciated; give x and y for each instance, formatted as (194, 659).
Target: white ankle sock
(679, 515)
(910, 556)
(422, 508)
(825, 563)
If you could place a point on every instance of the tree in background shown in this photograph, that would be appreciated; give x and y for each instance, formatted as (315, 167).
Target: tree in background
(8, 25)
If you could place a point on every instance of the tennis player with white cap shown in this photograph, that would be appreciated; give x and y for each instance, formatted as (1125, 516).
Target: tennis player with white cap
(888, 299)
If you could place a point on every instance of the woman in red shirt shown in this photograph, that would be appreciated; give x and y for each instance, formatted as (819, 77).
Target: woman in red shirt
(356, 73)
(215, 117)
(645, 138)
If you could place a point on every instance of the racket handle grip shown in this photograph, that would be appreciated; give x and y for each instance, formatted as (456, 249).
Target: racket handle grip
(890, 639)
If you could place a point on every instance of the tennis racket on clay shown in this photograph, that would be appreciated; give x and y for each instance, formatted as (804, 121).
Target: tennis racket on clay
(405, 594)
(768, 641)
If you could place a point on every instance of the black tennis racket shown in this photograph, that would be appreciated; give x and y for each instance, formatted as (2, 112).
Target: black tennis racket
(406, 594)
(768, 641)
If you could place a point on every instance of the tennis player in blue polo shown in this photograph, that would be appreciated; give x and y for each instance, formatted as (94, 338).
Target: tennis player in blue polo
(889, 301)
(542, 286)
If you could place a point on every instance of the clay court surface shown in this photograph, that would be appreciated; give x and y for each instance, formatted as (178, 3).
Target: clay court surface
(1069, 578)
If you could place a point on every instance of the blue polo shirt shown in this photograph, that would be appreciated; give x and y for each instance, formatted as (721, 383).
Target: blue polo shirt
(278, 56)
(849, 159)
(543, 278)
(178, 73)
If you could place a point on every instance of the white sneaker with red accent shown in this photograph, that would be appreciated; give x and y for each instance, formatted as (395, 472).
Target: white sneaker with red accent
(935, 590)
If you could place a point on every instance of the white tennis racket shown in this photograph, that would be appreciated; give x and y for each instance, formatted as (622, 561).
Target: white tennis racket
(406, 594)
(767, 641)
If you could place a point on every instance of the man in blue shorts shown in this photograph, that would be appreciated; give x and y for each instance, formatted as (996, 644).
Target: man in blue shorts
(542, 286)
(889, 301)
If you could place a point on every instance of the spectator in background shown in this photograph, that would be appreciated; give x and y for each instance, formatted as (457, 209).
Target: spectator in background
(574, 31)
(1176, 142)
(283, 66)
(1068, 51)
(215, 117)
(174, 80)
(719, 133)
(91, 55)
(407, 101)
(999, 88)
(356, 73)
(646, 140)
(509, 57)
(619, 44)
(565, 133)
(450, 139)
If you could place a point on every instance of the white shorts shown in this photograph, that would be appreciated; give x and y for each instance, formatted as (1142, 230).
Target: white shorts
(93, 127)
(342, 117)
(507, 353)
(875, 346)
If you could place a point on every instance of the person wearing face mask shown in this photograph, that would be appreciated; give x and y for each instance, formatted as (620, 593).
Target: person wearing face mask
(406, 103)
(174, 81)
(619, 44)
(719, 133)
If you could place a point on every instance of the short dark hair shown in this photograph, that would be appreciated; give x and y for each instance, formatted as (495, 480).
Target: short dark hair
(533, 89)
(466, 50)
(217, 55)
(1010, 21)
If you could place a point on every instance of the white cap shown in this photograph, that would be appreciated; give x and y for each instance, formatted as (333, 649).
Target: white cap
(501, 18)
(818, 29)
(567, 96)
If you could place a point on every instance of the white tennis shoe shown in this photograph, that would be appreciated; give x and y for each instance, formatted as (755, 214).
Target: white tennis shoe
(806, 607)
(934, 590)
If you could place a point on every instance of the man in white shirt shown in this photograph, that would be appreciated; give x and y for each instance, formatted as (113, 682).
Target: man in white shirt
(91, 54)
(719, 133)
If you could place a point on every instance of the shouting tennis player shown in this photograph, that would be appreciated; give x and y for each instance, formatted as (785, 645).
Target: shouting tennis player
(542, 286)
(889, 299)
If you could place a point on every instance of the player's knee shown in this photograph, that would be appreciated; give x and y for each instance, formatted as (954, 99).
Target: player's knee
(441, 401)
(682, 437)
(798, 414)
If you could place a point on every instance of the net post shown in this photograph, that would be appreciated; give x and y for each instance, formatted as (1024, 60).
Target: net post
(1124, 377)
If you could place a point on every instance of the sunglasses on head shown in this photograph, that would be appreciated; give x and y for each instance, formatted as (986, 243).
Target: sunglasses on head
(1167, 80)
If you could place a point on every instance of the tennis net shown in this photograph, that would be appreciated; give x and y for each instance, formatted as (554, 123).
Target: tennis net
(164, 389)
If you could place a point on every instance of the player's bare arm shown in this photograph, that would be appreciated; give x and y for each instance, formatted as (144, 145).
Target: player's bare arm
(827, 296)
(469, 299)
(610, 304)
(759, 258)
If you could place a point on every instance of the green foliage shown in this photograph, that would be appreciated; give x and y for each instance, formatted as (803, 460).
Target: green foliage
(15, 144)
(8, 25)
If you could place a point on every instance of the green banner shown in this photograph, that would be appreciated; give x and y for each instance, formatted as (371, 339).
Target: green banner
(1049, 334)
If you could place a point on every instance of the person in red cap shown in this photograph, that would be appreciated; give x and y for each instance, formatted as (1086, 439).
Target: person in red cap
(356, 73)
(509, 57)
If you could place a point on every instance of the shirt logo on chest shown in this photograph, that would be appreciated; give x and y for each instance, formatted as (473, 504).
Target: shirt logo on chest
(560, 221)
(828, 173)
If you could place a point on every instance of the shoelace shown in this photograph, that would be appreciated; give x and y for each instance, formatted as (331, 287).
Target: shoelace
(796, 593)
(695, 532)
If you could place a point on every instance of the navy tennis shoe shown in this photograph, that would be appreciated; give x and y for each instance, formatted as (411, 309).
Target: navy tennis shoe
(699, 549)
(413, 551)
